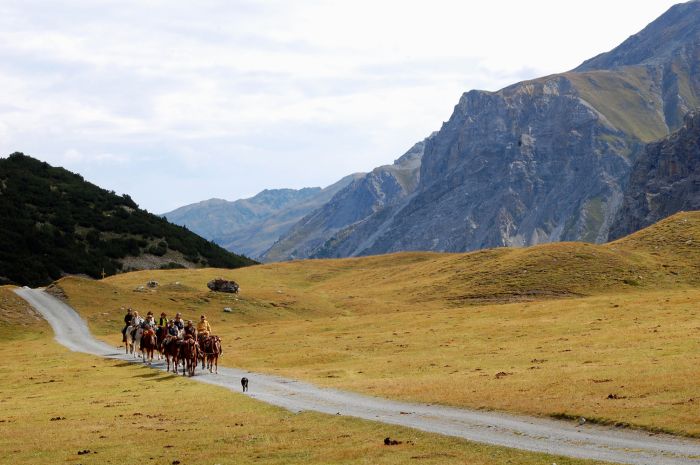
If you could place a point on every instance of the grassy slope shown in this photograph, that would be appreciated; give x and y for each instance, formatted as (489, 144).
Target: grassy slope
(124, 413)
(625, 98)
(566, 324)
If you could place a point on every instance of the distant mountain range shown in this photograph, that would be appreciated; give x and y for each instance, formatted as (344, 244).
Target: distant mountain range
(539, 161)
(251, 226)
(53, 222)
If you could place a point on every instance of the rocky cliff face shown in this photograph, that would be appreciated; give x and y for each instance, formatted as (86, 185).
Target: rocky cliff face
(530, 164)
(540, 161)
(383, 187)
(664, 180)
(251, 226)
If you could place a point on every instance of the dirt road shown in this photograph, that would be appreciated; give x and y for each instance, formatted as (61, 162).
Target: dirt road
(520, 432)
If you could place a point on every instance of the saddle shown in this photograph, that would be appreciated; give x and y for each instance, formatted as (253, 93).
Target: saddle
(149, 332)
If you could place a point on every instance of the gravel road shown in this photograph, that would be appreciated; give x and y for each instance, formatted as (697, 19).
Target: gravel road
(519, 432)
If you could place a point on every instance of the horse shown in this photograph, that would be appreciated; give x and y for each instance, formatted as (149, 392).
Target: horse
(161, 334)
(133, 339)
(188, 352)
(148, 345)
(202, 339)
(136, 335)
(170, 347)
(128, 340)
(212, 350)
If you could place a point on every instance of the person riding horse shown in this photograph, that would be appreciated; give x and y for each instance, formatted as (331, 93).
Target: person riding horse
(172, 329)
(127, 322)
(136, 320)
(203, 326)
(149, 322)
(163, 321)
(179, 322)
(190, 330)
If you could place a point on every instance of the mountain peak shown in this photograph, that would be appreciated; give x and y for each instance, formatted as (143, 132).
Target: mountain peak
(676, 29)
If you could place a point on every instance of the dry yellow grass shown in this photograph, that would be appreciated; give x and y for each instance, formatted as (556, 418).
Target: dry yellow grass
(548, 330)
(55, 403)
(16, 316)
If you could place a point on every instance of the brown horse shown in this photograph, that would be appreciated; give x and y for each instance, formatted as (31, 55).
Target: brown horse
(148, 345)
(170, 347)
(189, 352)
(212, 350)
(161, 334)
(202, 339)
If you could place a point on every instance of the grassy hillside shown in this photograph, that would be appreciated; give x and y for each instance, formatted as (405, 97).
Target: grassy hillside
(17, 318)
(56, 403)
(54, 222)
(549, 330)
(627, 98)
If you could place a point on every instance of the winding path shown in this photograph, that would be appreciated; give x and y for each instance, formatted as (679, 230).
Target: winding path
(520, 432)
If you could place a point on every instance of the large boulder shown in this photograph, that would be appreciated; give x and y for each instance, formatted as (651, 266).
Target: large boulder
(223, 285)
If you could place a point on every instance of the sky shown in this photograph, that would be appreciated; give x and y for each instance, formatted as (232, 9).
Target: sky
(174, 102)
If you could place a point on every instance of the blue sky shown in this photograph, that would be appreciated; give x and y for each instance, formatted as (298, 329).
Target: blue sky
(174, 102)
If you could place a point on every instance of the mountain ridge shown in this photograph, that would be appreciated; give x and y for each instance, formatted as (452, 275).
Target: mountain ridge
(252, 225)
(538, 161)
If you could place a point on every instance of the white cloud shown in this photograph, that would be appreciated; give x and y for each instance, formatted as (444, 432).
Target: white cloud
(154, 97)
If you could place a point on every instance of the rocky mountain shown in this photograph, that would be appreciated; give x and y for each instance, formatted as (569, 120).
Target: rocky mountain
(539, 161)
(251, 226)
(665, 180)
(53, 222)
(361, 199)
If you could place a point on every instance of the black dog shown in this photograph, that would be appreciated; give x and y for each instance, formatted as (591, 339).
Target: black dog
(244, 383)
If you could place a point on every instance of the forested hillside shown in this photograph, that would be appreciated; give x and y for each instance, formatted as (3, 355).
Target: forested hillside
(53, 222)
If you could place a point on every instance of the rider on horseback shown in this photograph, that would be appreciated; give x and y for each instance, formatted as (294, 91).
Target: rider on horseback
(178, 322)
(127, 322)
(203, 327)
(136, 320)
(149, 322)
(172, 329)
(163, 320)
(190, 330)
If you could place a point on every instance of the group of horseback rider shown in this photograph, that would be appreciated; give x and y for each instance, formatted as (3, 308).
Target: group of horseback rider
(175, 327)
(175, 340)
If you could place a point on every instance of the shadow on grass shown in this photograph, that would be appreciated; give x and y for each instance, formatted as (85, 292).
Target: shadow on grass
(124, 364)
(156, 375)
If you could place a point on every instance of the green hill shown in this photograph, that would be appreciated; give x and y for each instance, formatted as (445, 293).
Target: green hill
(56, 223)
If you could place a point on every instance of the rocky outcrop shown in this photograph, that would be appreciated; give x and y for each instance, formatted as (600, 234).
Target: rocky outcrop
(374, 192)
(665, 180)
(223, 285)
(540, 161)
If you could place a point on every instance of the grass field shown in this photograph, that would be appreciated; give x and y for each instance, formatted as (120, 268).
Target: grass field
(550, 330)
(55, 403)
